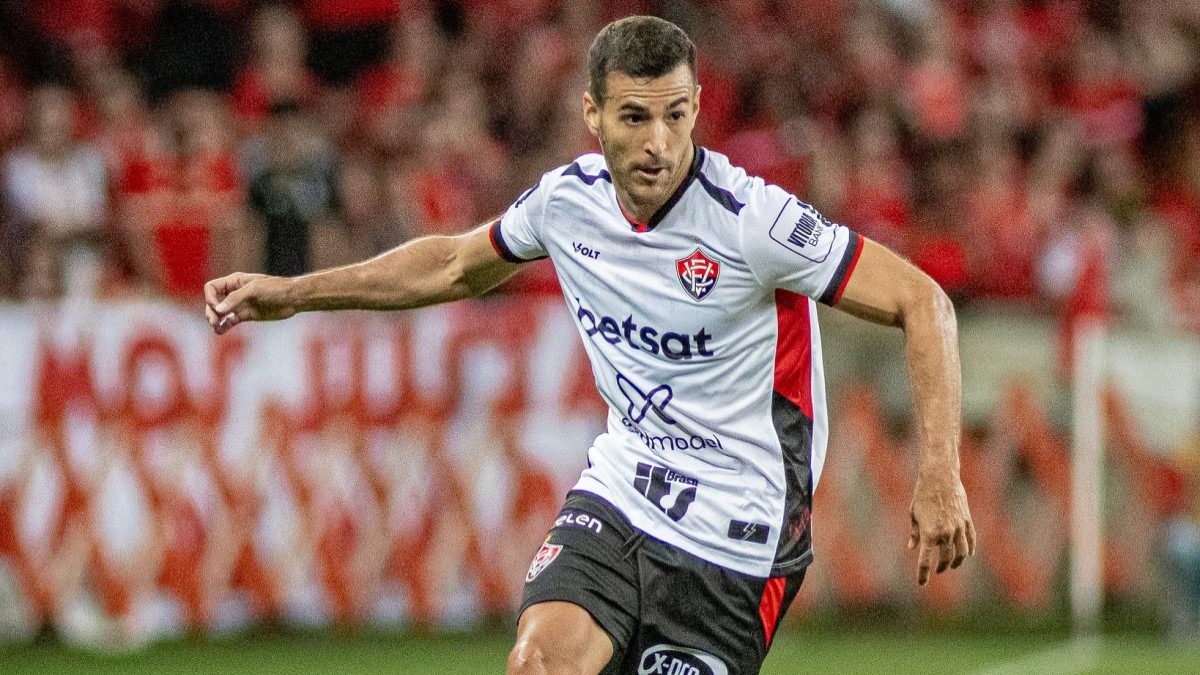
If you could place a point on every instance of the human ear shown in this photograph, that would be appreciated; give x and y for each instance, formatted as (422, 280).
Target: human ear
(591, 114)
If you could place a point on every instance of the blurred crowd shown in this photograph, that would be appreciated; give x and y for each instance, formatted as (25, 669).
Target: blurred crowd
(1041, 153)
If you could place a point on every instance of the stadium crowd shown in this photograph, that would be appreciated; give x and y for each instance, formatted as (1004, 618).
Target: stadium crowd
(1042, 153)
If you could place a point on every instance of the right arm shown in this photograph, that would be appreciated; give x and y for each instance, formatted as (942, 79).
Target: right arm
(422, 272)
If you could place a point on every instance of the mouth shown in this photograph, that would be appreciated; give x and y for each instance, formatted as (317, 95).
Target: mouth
(650, 174)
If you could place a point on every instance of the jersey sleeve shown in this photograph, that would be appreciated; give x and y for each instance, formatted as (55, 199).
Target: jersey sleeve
(790, 246)
(517, 235)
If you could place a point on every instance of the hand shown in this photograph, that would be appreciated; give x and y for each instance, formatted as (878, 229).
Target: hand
(245, 297)
(941, 524)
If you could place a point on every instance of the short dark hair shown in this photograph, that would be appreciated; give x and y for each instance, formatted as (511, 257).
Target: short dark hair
(639, 46)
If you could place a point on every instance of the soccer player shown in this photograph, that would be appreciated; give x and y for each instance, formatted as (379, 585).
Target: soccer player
(693, 287)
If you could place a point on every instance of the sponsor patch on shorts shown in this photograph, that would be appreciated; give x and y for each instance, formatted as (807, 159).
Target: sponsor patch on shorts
(672, 660)
(755, 533)
(545, 555)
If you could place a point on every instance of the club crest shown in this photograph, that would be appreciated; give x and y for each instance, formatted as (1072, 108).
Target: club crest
(542, 560)
(698, 273)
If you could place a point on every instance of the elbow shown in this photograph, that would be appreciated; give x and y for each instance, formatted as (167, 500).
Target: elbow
(926, 301)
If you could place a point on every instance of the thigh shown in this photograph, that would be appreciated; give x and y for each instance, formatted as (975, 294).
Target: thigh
(588, 560)
(703, 619)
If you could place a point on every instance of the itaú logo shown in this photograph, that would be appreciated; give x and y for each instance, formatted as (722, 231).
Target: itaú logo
(672, 660)
(643, 338)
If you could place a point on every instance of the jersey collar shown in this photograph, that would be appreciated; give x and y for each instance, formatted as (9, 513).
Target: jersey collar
(697, 160)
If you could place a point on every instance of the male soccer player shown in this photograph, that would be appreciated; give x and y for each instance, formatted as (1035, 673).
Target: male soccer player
(693, 287)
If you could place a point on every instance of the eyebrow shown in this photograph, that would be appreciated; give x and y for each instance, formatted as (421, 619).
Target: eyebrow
(635, 107)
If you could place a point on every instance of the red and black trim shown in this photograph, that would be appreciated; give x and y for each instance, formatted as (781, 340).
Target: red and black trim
(497, 238)
(792, 417)
(778, 594)
(837, 285)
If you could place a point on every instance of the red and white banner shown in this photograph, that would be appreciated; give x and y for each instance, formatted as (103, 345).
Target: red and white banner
(400, 468)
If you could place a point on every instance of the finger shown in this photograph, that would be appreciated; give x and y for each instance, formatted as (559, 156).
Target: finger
(971, 536)
(212, 317)
(233, 302)
(961, 548)
(945, 550)
(210, 294)
(927, 558)
(227, 323)
(914, 535)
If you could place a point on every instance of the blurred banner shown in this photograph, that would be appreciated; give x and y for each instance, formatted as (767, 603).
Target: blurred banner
(403, 469)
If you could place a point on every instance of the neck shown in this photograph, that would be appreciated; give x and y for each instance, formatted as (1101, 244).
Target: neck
(643, 212)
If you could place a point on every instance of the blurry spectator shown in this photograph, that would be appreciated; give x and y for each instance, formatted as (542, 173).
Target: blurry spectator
(876, 202)
(1007, 234)
(12, 105)
(57, 191)
(192, 47)
(389, 96)
(348, 36)
(296, 198)
(179, 203)
(276, 69)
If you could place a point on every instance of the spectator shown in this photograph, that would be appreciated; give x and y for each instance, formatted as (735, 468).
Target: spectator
(276, 70)
(56, 188)
(297, 196)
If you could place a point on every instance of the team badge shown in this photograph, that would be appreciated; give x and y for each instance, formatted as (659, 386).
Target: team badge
(542, 560)
(698, 273)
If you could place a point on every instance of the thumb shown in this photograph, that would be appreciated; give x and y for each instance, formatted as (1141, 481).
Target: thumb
(233, 301)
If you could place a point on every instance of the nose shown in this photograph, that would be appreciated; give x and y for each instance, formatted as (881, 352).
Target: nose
(656, 141)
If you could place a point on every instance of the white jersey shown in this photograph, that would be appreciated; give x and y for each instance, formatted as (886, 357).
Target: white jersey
(701, 330)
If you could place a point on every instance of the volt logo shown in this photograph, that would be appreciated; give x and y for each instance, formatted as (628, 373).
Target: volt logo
(656, 482)
(641, 402)
(672, 660)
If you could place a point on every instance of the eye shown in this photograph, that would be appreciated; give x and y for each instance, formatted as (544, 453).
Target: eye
(677, 115)
(633, 118)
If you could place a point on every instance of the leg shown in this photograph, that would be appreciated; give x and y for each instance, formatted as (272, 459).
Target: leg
(556, 638)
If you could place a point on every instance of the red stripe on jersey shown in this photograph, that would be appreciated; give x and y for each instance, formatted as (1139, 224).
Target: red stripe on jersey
(849, 270)
(793, 351)
(637, 227)
(771, 605)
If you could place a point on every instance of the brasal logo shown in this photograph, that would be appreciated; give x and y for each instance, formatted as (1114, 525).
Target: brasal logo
(698, 273)
(672, 660)
(654, 482)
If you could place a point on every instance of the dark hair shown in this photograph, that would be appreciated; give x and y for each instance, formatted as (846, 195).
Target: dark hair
(639, 46)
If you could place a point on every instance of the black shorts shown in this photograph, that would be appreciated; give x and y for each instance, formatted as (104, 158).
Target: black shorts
(660, 606)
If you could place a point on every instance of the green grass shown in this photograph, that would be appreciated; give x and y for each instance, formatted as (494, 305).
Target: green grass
(825, 652)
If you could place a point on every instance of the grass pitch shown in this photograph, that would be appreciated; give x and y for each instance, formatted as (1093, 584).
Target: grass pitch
(794, 652)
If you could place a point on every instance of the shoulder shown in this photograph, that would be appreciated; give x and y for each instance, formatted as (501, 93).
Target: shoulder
(585, 173)
(737, 191)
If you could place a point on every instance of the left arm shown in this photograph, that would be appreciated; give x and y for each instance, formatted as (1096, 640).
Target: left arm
(886, 289)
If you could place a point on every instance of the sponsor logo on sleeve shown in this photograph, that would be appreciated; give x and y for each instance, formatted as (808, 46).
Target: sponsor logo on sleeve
(698, 274)
(545, 555)
(801, 230)
(672, 660)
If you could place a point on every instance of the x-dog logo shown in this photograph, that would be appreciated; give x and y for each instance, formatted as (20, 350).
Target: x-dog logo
(698, 273)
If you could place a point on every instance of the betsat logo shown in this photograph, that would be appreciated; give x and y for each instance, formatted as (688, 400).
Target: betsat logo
(640, 337)
(672, 660)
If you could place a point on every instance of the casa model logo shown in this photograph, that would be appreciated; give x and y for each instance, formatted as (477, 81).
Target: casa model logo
(672, 660)
(698, 273)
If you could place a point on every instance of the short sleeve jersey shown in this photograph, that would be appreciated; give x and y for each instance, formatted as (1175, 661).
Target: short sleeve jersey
(701, 330)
